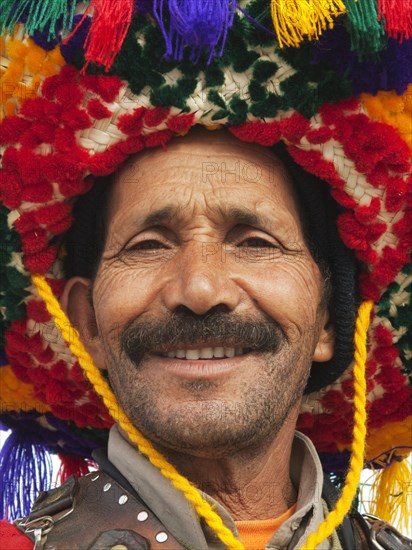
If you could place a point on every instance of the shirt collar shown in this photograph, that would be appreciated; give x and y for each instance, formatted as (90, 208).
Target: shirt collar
(180, 518)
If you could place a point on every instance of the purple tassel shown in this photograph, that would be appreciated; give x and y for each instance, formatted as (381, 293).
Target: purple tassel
(390, 69)
(196, 24)
(26, 469)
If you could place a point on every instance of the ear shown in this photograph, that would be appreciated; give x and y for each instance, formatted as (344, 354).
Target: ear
(76, 303)
(326, 342)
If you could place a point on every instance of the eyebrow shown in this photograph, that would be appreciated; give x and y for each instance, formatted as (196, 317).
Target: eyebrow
(239, 215)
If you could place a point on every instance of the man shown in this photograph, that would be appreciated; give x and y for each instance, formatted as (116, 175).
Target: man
(207, 310)
(213, 292)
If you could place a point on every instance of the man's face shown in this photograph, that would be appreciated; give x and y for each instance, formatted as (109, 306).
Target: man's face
(207, 300)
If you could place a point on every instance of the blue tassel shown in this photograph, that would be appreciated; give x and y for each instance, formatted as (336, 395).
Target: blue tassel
(37, 15)
(196, 24)
(25, 470)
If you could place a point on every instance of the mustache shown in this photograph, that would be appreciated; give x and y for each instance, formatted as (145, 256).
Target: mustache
(141, 337)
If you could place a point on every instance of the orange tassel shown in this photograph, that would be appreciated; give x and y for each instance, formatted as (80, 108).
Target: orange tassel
(397, 17)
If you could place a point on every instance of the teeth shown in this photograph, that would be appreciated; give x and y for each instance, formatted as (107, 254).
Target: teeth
(192, 354)
(204, 353)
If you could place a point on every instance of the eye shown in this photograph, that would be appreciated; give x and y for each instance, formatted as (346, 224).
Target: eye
(149, 244)
(257, 242)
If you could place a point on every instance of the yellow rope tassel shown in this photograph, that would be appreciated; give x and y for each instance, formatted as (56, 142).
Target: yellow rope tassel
(71, 336)
(296, 19)
(336, 516)
(390, 495)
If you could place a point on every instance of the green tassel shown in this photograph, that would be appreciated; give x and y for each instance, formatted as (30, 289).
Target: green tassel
(39, 14)
(367, 33)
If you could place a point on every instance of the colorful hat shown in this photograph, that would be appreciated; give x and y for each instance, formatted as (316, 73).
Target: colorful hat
(85, 86)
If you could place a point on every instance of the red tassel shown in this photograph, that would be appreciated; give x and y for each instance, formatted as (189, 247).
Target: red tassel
(72, 465)
(397, 18)
(110, 23)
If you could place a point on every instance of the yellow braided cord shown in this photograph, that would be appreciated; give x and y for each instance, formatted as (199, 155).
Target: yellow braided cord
(71, 336)
(336, 516)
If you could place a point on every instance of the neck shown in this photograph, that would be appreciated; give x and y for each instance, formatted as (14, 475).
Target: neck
(252, 483)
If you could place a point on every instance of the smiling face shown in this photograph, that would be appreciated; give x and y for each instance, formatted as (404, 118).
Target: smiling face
(207, 303)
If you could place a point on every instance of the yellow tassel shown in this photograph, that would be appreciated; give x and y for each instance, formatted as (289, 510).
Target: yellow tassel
(391, 497)
(296, 19)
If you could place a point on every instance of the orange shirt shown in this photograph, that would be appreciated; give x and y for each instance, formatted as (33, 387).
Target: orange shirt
(256, 534)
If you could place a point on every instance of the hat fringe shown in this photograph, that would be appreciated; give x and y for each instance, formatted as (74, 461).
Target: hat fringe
(51, 14)
(295, 20)
(26, 469)
(109, 26)
(366, 30)
(72, 465)
(397, 17)
(390, 500)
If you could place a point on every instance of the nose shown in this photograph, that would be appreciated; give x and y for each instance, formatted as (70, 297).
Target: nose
(202, 279)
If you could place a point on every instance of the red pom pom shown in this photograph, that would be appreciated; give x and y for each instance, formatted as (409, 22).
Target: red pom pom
(77, 119)
(386, 354)
(37, 311)
(333, 112)
(368, 213)
(69, 95)
(102, 164)
(305, 421)
(29, 140)
(153, 117)
(12, 538)
(26, 222)
(181, 124)
(40, 262)
(57, 393)
(131, 145)
(313, 162)
(97, 110)
(263, 133)
(12, 128)
(132, 124)
(383, 336)
(34, 241)
(343, 198)
(158, 138)
(59, 371)
(50, 214)
(391, 379)
(57, 286)
(10, 184)
(39, 376)
(65, 140)
(10, 159)
(34, 108)
(40, 192)
(71, 165)
(353, 233)
(72, 188)
(51, 85)
(44, 131)
(106, 86)
(319, 135)
(395, 192)
(368, 256)
(294, 127)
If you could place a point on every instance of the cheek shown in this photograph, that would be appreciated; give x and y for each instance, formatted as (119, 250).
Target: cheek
(121, 294)
(287, 291)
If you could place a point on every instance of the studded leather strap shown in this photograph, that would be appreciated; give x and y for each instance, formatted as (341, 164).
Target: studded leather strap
(95, 513)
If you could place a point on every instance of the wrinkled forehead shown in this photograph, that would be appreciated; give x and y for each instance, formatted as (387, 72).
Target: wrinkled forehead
(215, 165)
